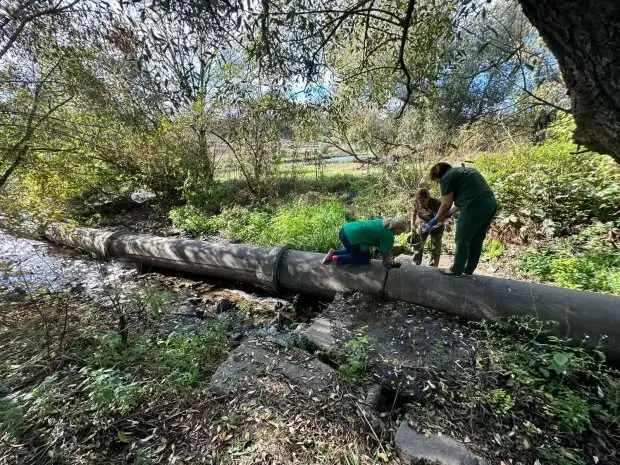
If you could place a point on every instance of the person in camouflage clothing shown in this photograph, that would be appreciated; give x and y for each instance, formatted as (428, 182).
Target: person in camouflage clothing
(424, 209)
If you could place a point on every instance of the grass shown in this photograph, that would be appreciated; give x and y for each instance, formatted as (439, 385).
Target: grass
(144, 398)
(310, 224)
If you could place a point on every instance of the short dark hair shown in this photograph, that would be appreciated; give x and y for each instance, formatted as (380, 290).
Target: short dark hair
(438, 170)
(423, 193)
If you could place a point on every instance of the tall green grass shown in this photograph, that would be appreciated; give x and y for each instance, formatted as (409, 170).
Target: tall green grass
(302, 224)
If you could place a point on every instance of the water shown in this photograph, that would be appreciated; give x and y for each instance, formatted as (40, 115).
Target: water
(27, 265)
(337, 159)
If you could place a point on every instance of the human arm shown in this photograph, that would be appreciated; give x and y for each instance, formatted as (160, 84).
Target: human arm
(414, 216)
(386, 246)
(446, 204)
(444, 211)
(388, 261)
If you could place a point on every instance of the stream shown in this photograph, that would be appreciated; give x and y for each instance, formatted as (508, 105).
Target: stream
(28, 265)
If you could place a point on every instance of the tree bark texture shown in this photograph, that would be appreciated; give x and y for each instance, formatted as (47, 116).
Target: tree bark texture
(584, 36)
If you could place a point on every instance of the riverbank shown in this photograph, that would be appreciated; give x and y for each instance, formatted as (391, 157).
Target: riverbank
(131, 363)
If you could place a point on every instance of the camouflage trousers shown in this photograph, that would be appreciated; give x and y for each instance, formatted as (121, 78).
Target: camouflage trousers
(436, 237)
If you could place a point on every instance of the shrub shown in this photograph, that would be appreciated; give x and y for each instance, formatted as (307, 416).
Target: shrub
(550, 182)
(585, 261)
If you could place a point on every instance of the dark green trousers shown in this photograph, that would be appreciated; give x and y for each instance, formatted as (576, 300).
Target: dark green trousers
(471, 229)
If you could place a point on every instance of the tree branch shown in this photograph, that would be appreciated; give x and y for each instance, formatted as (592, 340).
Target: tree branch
(401, 54)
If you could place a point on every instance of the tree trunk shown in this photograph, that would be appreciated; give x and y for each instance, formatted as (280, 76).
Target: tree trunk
(203, 147)
(21, 153)
(584, 36)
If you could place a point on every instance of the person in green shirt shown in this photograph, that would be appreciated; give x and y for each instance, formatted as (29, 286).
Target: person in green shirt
(358, 236)
(467, 189)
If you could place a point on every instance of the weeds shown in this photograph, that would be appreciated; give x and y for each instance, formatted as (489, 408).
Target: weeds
(535, 396)
(355, 357)
(587, 261)
(493, 249)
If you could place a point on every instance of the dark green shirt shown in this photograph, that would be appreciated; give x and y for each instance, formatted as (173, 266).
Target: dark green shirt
(370, 233)
(467, 184)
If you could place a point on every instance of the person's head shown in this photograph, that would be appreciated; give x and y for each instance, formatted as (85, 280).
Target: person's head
(423, 196)
(397, 225)
(438, 170)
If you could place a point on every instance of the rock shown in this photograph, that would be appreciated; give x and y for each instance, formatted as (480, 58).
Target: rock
(374, 398)
(414, 447)
(223, 305)
(320, 333)
(254, 360)
(187, 309)
(195, 301)
(236, 337)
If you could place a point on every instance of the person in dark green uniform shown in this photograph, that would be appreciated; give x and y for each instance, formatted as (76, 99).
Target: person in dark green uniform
(467, 189)
(358, 236)
(425, 207)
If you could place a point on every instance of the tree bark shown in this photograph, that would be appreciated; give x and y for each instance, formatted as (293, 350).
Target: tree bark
(584, 36)
(21, 153)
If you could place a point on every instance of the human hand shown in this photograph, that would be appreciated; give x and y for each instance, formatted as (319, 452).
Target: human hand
(430, 225)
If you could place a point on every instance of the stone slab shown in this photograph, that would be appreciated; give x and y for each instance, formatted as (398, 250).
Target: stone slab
(256, 359)
(416, 448)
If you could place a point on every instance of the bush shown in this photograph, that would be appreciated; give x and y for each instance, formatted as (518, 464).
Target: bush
(550, 182)
(585, 261)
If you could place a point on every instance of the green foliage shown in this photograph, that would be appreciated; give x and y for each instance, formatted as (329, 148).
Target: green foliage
(355, 356)
(191, 219)
(108, 391)
(302, 224)
(536, 396)
(549, 182)
(584, 261)
(12, 420)
(184, 359)
(493, 249)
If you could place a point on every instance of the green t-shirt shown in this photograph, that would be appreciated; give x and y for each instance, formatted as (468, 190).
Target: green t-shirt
(467, 184)
(370, 233)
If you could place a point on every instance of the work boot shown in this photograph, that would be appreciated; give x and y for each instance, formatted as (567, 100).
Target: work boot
(329, 257)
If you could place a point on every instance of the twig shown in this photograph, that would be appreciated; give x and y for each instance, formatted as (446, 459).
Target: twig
(361, 410)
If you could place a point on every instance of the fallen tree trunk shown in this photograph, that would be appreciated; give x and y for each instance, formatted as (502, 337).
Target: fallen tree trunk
(579, 313)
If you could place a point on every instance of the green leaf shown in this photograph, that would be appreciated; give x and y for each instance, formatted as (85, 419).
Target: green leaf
(560, 358)
(545, 372)
(123, 437)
